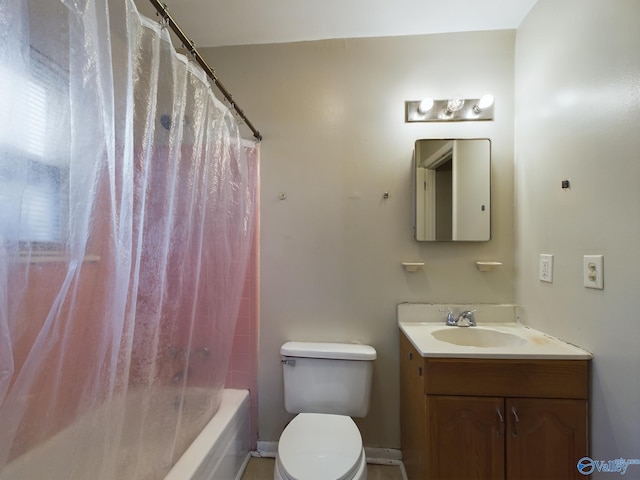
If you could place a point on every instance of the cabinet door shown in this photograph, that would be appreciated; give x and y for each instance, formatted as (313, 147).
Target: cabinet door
(412, 410)
(545, 438)
(465, 438)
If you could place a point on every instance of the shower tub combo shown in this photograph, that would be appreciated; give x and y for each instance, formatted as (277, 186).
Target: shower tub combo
(219, 452)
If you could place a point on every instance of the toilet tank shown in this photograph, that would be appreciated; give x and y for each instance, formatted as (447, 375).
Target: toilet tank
(327, 377)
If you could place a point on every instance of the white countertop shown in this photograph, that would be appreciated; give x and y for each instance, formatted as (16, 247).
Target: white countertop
(534, 344)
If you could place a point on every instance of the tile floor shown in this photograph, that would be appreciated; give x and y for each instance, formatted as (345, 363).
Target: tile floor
(262, 469)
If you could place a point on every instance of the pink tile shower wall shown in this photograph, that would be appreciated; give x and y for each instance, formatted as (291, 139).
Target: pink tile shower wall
(243, 367)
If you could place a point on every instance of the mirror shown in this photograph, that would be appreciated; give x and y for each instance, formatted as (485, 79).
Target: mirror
(452, 190)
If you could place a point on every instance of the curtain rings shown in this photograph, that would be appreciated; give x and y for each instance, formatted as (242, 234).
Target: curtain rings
(164, 23)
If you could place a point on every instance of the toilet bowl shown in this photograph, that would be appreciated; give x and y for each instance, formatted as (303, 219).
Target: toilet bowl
(320, 446)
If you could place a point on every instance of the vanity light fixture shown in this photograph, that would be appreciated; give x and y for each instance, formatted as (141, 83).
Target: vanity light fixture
(454, 109)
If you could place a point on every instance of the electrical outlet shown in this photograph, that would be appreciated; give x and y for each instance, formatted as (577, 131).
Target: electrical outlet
(546, 268)
(593, 271)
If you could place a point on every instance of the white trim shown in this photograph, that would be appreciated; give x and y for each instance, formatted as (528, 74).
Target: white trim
(383, 456)
(375, 456)
(266, 449)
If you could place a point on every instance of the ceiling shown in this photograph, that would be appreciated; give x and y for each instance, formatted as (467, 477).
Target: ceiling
(211, 23)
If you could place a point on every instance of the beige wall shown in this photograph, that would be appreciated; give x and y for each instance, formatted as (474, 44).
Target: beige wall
(332, 116)
(578, 118)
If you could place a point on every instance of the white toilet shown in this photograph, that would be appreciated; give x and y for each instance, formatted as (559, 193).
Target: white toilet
(326, 384)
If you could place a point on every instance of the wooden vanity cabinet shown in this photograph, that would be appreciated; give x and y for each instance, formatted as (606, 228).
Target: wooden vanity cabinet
(481, 419)
(413, 409)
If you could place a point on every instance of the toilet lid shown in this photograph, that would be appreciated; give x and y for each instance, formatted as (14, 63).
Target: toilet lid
(318, 446)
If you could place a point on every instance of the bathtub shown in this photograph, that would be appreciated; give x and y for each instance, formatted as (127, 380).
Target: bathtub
(219, 452)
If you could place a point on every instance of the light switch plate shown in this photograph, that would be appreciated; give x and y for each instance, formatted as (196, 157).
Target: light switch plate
(546, 268)
(593, 271)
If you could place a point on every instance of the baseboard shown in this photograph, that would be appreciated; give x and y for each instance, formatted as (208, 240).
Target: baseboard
(383, 456)
(379, 456)
(266, 449)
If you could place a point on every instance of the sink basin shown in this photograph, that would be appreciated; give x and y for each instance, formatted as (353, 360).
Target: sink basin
(477, 337)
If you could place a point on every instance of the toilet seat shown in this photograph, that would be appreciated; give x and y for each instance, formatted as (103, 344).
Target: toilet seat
(318, 446)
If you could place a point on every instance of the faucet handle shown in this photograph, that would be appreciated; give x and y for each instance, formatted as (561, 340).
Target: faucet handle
(452, 321)
(469, 316)
(451, 318)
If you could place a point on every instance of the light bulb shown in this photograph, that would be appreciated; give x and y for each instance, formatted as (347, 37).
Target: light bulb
(485, 102)
(455, 103)
(425, 105)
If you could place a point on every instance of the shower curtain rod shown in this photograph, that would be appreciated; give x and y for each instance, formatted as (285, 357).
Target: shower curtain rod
(161, 8)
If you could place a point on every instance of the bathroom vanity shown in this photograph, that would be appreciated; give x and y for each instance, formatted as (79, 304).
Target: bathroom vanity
(506, 405)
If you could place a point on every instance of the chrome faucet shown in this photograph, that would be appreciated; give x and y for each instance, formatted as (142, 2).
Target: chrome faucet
(464, 319)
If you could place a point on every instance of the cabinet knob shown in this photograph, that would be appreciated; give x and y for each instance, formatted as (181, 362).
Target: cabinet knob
(419, 371)
(410, 355)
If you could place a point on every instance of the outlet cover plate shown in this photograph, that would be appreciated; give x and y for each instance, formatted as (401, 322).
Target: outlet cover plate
(546, 268)
(593, 271)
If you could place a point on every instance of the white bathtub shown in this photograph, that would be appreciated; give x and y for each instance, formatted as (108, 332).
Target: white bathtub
(219, 452)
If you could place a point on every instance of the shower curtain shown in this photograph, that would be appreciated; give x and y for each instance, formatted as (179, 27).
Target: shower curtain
(127, 203)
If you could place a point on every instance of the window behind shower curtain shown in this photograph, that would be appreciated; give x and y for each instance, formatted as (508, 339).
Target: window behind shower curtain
(34, 153)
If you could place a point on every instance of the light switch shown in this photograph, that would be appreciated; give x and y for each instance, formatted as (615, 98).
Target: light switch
(593, 271)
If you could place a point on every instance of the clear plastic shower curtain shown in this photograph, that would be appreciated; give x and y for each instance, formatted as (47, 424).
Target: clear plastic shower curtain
(127, 203)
